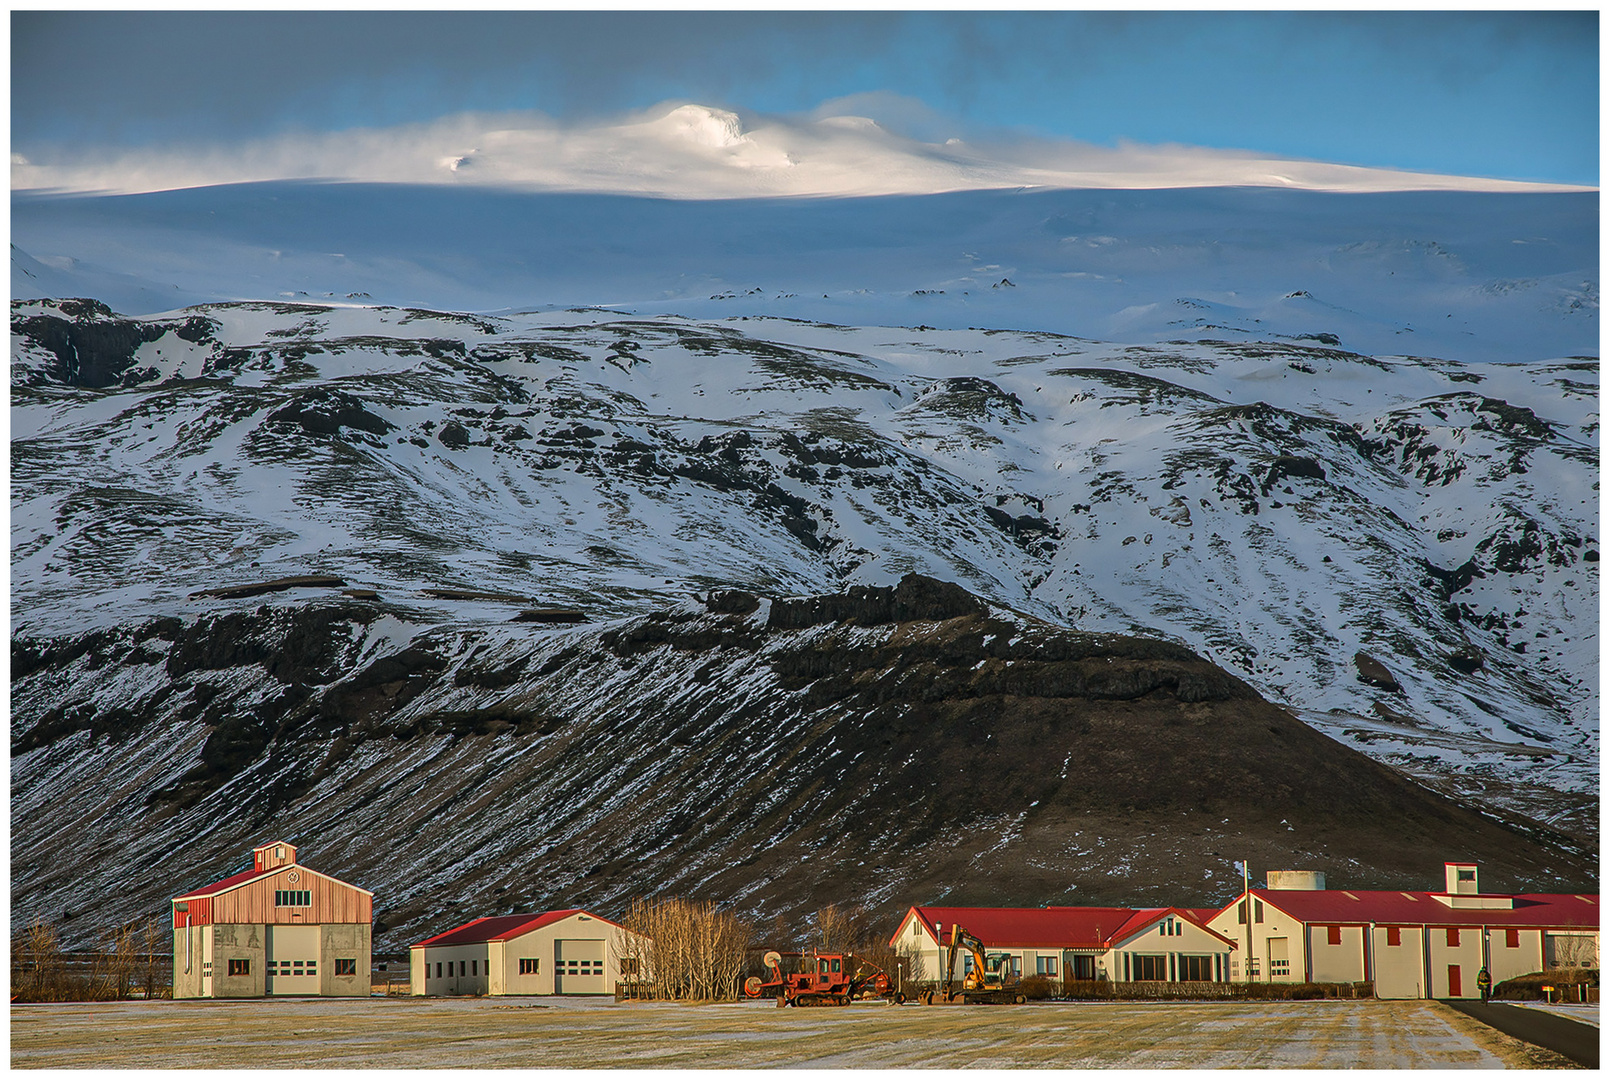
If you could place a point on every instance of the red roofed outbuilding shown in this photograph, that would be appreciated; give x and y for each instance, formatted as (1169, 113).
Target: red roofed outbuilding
(556, 952)
(280, 928)
(1122, 944)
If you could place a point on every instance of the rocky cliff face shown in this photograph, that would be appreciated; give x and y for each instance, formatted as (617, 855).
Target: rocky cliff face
(885, 745)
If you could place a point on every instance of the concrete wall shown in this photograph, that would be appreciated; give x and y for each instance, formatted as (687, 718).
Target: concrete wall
(238, 941)
(344, 941)
(1504, 962)
(189, 945)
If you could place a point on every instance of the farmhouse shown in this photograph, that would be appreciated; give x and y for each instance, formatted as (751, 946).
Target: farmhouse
(278, 928)
(1409, 944)
(1119, 944)
(556, 952)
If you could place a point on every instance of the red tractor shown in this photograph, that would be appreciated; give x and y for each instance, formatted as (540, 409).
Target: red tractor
(823, 979)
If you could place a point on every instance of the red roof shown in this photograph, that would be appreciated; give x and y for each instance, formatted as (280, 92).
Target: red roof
(230, 882)
(1049, 927)
(503, 927)
(1409, 908)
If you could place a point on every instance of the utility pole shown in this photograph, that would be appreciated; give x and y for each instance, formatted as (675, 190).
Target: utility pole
(1246, 914)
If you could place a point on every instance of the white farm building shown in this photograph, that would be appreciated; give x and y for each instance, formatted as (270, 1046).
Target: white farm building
(1068, 943)
(1408, 944)
(556, 952)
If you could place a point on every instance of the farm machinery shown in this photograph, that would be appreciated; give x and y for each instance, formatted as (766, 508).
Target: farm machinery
(823, 979)
(989, 981)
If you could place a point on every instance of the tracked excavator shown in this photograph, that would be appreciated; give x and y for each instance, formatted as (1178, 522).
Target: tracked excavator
(990, 982)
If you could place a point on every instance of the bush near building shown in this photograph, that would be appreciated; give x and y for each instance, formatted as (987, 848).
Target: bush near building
(1570, 984)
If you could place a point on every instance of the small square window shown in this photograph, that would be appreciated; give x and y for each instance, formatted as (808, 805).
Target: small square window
(345, 966)
(240, 967)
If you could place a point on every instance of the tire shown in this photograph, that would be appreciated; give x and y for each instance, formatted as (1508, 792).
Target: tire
(1020, 1000)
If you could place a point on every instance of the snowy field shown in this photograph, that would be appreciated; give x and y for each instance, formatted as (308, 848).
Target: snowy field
(558, 1033)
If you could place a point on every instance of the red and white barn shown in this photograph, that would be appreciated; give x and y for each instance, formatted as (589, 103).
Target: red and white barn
(1408, 944)
(1118, 944)
(557, 952)
(278, 928)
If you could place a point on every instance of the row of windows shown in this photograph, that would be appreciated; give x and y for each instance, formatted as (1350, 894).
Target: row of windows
(293, 898)
(1171, 927)
(343, 966)
(596, 967)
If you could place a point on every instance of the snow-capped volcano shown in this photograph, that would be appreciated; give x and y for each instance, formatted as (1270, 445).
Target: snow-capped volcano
(693, 151)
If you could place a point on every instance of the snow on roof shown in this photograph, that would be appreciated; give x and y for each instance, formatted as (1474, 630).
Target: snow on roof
(1362, 906)
(504, 927)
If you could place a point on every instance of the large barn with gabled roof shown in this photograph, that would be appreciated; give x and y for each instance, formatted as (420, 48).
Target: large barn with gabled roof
(280, 928)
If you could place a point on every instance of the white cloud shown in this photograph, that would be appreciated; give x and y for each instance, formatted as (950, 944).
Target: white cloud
(694, 151)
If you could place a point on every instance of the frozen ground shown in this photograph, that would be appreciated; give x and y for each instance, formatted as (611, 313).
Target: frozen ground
(1583, 1014)
(557, 1033)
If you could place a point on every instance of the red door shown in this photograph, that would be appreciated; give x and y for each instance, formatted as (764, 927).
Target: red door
(1454, 989)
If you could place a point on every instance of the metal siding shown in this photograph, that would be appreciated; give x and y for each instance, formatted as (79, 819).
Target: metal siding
(332, 901)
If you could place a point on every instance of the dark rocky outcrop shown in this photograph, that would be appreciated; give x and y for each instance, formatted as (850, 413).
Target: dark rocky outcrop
(328, 412)
(1373, 672)
(884, 746)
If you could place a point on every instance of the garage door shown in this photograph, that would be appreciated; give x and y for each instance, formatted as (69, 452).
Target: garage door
(292, 963)
(578, 966)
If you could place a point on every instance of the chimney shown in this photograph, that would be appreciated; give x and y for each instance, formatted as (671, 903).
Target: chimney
(1460, 878)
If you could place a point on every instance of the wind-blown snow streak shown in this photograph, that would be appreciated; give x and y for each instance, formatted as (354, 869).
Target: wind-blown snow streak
(694, 151)
(1276, 507)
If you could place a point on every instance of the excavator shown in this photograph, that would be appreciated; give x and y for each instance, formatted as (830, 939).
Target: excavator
(990, 982)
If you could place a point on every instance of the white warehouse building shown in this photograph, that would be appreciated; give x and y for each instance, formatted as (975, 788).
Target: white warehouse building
(557, 952)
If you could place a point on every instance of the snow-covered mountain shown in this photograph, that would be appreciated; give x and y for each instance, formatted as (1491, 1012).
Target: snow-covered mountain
(1402, 550)
(1457, 275)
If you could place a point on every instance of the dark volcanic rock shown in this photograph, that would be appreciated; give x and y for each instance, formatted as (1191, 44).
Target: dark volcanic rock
(1372, 671)
(884, 746)
(326, 412)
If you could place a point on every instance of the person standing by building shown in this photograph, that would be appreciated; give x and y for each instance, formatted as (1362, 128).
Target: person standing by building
(1484, 983)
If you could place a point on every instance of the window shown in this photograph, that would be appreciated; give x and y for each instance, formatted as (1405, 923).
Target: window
(292, 897)
(346, 967)
(836, 962)
(530, 966)
(1241, 912)
(1150, 968)
(1466, 874)
(473, 964)
(1394, 935)
(916, 930)
(1257, 911)
(1196, 968)
(240, 967)
(438, 969)
(461, 965)
(1512, 939)
(1453, 936)
(1279, 967)
(1045, 965)
(1333, 935)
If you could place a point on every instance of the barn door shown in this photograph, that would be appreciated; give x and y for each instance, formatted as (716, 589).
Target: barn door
(578, 966)
(1454, 987)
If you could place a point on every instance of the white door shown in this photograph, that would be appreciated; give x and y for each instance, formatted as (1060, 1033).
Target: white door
(292, 963)
(578, 966)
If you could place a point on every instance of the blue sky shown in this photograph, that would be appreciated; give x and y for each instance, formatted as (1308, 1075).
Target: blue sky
(1499, 94)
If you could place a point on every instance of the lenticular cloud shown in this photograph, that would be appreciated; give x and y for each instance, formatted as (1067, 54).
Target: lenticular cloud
(699, 152)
